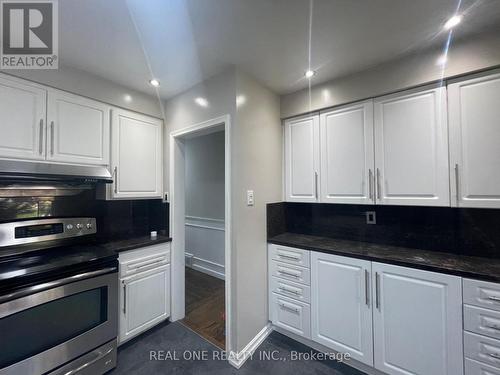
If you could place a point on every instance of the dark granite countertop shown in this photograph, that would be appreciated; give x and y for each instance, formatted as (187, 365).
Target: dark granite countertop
(134, 243)
(465, 266)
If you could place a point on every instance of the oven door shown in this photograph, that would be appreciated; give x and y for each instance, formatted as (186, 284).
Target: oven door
(46, 329)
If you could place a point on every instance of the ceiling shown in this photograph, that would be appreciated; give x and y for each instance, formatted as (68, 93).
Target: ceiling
(182, 42)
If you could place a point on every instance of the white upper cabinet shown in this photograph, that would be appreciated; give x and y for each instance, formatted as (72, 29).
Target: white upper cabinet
(302, 159)
(78, 129)
(22, 119)
(474, 111)
(411, 148)
(136, 155)
(417, 321)
(347, 159)
(341, 305)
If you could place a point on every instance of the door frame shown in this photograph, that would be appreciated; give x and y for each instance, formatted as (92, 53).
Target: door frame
(177, 215)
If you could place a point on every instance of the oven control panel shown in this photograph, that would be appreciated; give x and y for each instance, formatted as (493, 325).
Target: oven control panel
(31, 231)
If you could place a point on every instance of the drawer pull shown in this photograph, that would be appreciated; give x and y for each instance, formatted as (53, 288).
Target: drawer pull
(288, 257)
(494, 355)
(289, 308)
(297, 276)
(283, 289)
(493, 326)
(494, 298)
(148, 264)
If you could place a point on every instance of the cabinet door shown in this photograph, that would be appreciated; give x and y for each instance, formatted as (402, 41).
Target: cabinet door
(411, 148)
(347, 159)
(144, 301)
(417, 321)
(474, 112)
(302, 159)
(22, 120)
(79, 129)
(341, 305)
(136, 155)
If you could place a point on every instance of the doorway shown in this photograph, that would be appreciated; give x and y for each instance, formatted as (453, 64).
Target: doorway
(200, 229)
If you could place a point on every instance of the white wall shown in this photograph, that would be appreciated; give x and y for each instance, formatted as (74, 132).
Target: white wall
(205, 176)
(257, 144)
(255, 164)
(85, 84)
(474, 54)
(204, 156)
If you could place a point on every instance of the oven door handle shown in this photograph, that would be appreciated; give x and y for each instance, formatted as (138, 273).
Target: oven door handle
(97, 356)
(56, 283)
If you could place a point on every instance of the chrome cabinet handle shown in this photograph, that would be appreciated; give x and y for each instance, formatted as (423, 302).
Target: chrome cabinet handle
(115, 172)
(494, 299)
(286, 307)
(377, 292)
(457, 193)
(288, 257)
(493, 326)
(40, 142)
(52, 137)
(379, 193)
(316, 185)
(370, 184)
(367, 286)
(288, 274)
(494, 355)
(283, 289)
(148, 264)
(124, 298)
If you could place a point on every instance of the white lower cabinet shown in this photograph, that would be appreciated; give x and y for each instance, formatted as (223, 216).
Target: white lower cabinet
(399, 320)
(144, 290)
(346, 326)
(417, 321)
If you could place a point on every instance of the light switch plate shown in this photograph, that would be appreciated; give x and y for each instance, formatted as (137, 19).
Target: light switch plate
(250, 199)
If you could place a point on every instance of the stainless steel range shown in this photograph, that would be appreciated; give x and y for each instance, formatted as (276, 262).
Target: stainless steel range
(58, 298)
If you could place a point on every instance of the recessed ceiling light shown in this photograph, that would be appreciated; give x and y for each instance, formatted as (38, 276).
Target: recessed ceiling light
(201, 102)
(452, 22)
(154, 82)
(309, 73)
(442, 60)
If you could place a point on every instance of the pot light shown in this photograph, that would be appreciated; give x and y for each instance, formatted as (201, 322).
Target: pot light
(452, 22)
(309, 73)
(154, 82)
(442, 60)
(202, 102)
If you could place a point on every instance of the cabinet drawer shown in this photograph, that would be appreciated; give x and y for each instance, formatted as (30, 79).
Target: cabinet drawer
(482, 294)
(143, 259)
(482, 321)
(291, 315)
(290, 255)
(290, 289)
(476, 368)
(481, 348)
(290, 272)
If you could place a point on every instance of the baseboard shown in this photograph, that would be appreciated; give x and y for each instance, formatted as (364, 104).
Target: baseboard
(205, 266)
(237, 359)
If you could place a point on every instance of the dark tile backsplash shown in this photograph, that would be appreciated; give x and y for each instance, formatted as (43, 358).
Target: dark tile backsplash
(474, 232)
(115, 219)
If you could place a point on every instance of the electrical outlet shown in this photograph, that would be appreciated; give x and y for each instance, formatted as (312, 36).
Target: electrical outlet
(371, 217)
(250, 198)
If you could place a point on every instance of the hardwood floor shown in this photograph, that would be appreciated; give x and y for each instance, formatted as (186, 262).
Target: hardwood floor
(205, 306)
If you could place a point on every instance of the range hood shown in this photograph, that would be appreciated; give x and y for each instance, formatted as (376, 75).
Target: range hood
(25, 171)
